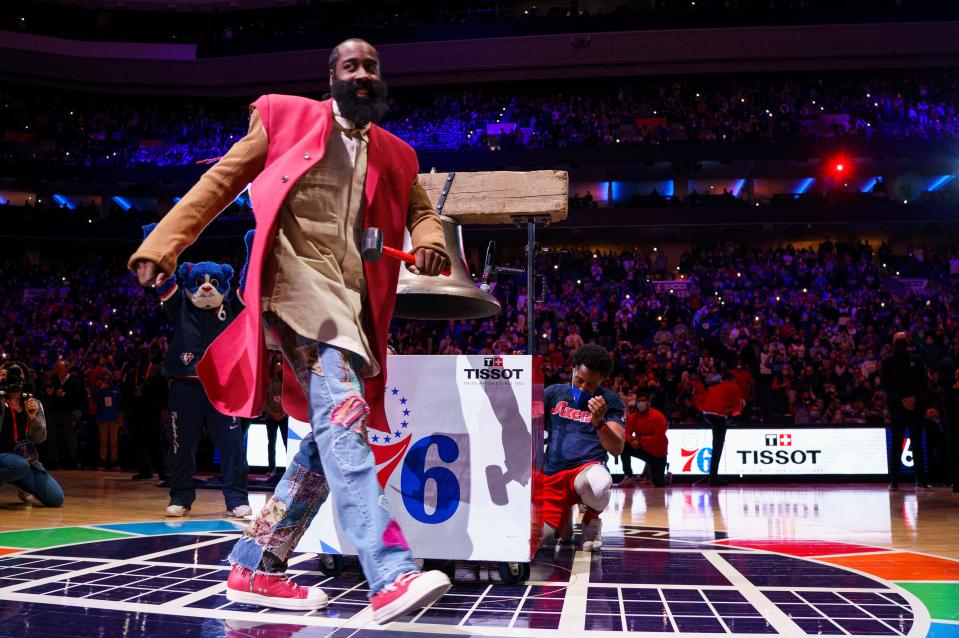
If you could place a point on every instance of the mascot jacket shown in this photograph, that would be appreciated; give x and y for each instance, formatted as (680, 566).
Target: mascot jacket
(235, 369)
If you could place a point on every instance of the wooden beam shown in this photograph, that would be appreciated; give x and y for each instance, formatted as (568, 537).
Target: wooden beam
(496, 197)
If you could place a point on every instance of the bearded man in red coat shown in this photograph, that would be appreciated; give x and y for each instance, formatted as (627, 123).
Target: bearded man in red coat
(321, 173)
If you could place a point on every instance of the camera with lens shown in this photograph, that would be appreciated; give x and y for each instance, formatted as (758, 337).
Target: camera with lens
(13, 380)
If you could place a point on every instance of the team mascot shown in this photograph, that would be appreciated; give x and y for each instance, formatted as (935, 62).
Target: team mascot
(199, 303)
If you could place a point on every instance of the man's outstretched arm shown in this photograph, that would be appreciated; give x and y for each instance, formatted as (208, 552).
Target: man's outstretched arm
(156, 258)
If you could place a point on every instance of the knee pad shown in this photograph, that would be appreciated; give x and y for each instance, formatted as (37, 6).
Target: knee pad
(593, 485)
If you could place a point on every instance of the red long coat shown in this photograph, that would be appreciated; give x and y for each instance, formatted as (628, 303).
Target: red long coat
(235, 369)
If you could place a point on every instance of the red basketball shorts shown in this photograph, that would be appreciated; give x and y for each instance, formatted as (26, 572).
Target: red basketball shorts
(559, 495)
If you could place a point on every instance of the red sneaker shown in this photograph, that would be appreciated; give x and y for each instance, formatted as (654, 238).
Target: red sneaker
(409, 591)
(272, 590)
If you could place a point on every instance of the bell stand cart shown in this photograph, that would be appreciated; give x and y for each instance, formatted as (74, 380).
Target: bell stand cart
(501, 198)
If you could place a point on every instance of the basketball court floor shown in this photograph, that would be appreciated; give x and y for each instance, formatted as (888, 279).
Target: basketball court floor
(746, 560)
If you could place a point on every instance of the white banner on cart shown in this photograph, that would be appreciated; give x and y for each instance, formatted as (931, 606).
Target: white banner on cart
(777, 451)
(457, 460)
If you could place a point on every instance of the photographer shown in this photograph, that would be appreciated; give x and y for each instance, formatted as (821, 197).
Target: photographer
(22, 425)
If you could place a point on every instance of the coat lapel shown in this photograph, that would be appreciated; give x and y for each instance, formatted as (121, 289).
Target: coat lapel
(374, 159)
(269, 190)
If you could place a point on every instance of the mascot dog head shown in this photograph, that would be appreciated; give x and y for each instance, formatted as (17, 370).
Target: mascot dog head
(205, 284)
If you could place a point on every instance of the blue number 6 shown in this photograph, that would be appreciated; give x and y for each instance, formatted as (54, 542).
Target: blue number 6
(415, 475)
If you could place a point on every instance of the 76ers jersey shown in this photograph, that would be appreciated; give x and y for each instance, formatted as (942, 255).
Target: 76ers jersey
(573, 440)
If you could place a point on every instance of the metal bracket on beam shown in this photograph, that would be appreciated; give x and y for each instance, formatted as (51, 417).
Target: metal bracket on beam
(522, 220)
(441, 202)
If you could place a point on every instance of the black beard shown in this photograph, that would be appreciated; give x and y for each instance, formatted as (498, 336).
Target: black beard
(361, 110)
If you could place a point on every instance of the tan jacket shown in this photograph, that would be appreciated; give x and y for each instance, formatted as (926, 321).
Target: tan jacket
(220, 185)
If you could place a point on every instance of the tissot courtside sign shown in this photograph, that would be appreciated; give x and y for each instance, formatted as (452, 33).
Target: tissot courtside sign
(775, 451)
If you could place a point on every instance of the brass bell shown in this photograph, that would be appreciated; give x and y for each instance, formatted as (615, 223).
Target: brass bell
(454, 297)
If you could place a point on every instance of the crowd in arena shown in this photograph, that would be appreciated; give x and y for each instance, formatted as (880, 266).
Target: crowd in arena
(61, 129)
(95, 319)
(306, 24)
(804, 329)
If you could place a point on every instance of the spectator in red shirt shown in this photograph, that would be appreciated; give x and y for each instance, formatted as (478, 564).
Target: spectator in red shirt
(645, 440)
(720, 403)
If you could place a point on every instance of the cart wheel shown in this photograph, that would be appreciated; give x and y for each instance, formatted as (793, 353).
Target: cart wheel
(513, 573)
(331, 564)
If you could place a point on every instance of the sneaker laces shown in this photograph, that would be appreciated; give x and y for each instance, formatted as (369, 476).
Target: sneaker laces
(402, 579)
(287, 578)
(284, 577)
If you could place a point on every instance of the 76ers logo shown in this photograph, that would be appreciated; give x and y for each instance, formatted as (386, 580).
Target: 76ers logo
(697, 459)
(425, 464)
(388, 446)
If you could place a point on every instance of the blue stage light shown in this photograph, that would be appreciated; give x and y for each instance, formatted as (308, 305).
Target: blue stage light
(123, 202)
(63, 201)
(939, 182)
(738, 186)
(617, 191)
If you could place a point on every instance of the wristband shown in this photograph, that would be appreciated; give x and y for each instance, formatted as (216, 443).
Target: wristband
(600, 426)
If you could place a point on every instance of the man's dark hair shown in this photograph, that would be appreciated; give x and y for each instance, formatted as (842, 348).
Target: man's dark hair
(334, 58)
(593, 357)
(335, 53)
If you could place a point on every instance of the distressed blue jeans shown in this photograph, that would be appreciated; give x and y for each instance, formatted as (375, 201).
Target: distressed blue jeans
(334, 457)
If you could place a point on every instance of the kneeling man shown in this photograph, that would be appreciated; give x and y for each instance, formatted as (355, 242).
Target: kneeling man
(585, 423)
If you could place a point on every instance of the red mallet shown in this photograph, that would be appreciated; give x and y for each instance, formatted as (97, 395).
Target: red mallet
(372, 249)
